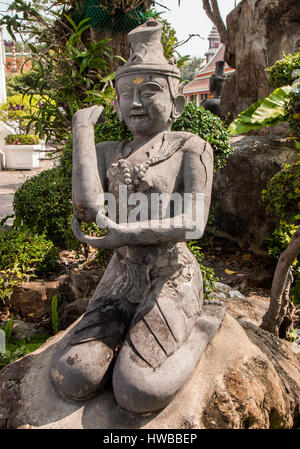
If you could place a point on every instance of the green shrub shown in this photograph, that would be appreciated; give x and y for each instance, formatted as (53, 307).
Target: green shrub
(22, 82)
(282, 194)
(208, 274)
(277, 243)
(281, 73)
(285, 72)
(209, 127)
(22, 254)
(43, 203)
(282, 197)
(21, 139)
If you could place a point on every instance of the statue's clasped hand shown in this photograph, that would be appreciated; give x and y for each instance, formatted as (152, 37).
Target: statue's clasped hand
(112, 240)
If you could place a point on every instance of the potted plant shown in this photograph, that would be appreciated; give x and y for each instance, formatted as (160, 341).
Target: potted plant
(22, 151)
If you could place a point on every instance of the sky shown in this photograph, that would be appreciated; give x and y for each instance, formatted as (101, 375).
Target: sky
(189, 18)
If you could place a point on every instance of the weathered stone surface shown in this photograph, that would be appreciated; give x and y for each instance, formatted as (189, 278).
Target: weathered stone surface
(34, 298)
(258, 33)
(80, 284)
(246, 378)
(241, 214)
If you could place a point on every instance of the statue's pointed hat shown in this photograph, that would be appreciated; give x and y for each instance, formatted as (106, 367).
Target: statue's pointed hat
(146, 52)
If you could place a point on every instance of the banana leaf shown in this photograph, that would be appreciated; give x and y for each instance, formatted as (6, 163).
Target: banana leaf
(267, 112)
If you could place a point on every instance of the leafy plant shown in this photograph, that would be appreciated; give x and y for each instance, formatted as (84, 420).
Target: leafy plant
(21, 139)
(267, 112)
(22, 254)
(18, 348)
(282, 197)
(18, 109)
(282, 72)
(209, 127)
(54, 314)
(8, 329)
(282, 194)
(208, 274)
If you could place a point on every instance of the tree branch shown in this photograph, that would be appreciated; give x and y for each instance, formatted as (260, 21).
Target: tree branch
(280, 285)
(211, 8)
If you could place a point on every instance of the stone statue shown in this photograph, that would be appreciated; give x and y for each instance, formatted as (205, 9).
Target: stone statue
(216, 86)
(146, 325)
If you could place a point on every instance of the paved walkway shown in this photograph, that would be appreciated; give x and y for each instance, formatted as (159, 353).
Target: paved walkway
(10, 180)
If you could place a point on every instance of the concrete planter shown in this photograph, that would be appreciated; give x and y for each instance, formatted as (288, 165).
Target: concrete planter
(23, 157)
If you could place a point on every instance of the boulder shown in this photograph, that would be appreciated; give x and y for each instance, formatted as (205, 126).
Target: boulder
(259, 31)
(241, 214)
(247, 378)
(33, 299)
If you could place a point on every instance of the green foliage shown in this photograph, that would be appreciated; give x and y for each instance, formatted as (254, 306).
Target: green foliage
(8, 329)
(69, 70)
(281, 73)
(209, 127)
(17, 348)
(22, 254)
(43, 204)
(20, 83)
(110, 128)
(54, 314)
(267, 112)
(21, 139)
(18, 108)
(282, 197)
(207, 273)
(170, 43)
(282, 194)
(286, 71)
(190, 68)
(277, 243)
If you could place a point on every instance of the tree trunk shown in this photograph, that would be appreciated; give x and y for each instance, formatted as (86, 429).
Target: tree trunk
(119, 44)
(280, 306)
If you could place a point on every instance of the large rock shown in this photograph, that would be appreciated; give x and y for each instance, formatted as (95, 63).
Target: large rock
(259, 31)
(247, 378)
(241, 214)
(34, 298)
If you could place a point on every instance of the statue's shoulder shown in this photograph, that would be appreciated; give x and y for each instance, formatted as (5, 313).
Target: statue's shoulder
(189, 142)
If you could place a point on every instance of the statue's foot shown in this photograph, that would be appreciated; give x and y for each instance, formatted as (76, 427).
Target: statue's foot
(80, 369)
(141, 385)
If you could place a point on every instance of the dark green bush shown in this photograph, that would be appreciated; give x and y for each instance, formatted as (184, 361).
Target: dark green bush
(281, 73)
(209, 127)
(43, 203)
(27, 250)
(282, 194)
(23, 254)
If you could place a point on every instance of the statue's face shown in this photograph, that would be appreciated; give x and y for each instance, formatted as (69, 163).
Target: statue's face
(145, 103)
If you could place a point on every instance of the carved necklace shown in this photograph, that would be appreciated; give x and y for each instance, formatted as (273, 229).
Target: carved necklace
(164, 152)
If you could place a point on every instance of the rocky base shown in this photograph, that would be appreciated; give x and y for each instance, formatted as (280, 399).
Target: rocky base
(247, 378)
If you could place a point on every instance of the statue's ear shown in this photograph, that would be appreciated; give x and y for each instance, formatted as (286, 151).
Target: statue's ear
(118, 110)
(178, 106)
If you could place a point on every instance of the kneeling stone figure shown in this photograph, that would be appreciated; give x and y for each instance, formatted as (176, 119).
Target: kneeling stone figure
(146, 325)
